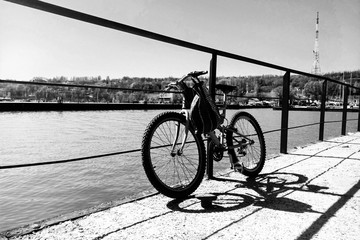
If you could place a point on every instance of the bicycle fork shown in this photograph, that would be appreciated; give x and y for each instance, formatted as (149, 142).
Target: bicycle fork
(179, 152)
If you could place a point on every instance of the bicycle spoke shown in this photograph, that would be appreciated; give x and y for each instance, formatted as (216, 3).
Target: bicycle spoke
(184, 170)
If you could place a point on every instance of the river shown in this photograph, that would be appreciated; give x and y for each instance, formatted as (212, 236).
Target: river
(36, 193)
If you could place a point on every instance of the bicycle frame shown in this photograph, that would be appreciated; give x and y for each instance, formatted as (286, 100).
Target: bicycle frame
(245, 141)
(223, 129)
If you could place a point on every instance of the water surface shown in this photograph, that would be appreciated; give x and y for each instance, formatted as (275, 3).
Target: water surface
(36, 193)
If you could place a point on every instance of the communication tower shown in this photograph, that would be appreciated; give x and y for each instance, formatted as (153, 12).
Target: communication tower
(316, 65)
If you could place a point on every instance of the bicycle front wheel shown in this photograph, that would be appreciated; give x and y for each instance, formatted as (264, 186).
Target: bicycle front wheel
(246, 144)
(174, 171)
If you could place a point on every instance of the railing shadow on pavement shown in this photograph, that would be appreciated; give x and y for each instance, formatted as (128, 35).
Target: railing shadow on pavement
(330, 212)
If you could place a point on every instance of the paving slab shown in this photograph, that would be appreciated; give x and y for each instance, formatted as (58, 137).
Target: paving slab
(310, 193)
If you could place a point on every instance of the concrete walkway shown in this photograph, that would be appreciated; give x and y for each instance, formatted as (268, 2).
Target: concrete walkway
(310, 193)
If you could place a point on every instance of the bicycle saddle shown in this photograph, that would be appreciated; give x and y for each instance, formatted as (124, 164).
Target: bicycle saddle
(225, 88)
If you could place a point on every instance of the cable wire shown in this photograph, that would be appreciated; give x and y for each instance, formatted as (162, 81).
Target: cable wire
(68, 160)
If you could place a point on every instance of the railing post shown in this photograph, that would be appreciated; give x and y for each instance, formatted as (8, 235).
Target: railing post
(358, 128)
(322, 110)
(344, 113)
(285, 113)
(212, 75)
(212, 82)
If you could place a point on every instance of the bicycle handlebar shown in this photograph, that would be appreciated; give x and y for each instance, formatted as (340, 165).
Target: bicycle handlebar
(195, 74)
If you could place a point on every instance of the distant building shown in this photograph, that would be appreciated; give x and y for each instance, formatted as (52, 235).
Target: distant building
(5, 96)
(166, 97)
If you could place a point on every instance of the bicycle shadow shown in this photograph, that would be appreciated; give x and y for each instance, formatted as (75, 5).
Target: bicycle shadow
(217, 202)
(267, 186)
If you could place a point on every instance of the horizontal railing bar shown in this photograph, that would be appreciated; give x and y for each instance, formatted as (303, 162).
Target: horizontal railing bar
(307, 125)
(51, 8)
(302, 126)
(336, 121)
(81, 158)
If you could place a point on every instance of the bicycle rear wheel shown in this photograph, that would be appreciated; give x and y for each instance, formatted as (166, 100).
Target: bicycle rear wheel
(248, 136)
(174, 173)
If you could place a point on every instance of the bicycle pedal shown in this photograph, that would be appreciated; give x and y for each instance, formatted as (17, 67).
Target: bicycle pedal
(242, 154)
(238, 167)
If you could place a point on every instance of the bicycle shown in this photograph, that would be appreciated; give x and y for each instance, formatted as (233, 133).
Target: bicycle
(173, 152)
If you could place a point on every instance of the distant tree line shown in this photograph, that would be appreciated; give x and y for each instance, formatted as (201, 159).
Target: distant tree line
(301, 87)
(262, 87)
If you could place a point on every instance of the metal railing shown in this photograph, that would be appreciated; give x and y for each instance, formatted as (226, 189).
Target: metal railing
(215, 53)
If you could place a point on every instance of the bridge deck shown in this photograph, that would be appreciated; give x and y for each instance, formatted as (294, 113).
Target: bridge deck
(310, 193)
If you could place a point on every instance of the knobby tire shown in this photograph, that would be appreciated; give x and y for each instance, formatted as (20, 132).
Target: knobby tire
(253, 156)
(174, 175)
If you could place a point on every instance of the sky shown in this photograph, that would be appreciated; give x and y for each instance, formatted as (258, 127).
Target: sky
(34, 43)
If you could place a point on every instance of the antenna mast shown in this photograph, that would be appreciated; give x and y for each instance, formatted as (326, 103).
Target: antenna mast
(316, 65)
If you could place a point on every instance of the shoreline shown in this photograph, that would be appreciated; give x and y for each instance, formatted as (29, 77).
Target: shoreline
(52, 106)
(317, 109)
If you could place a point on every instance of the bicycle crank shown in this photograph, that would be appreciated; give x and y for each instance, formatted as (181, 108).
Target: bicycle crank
(217, 152)
(238, 167)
